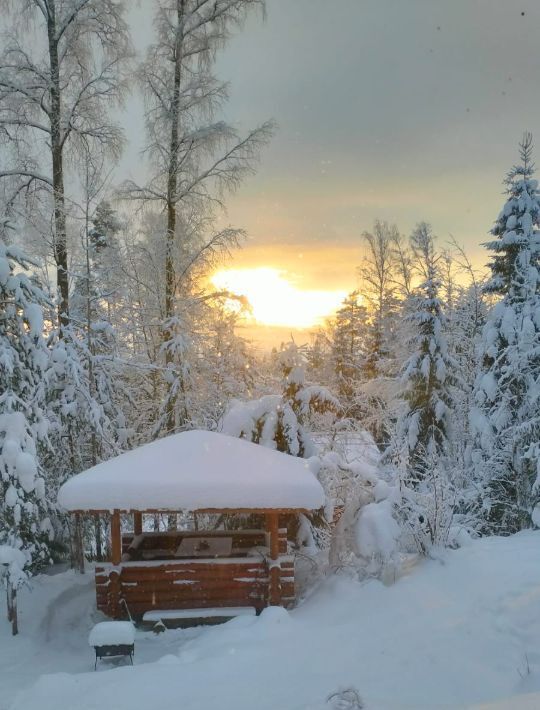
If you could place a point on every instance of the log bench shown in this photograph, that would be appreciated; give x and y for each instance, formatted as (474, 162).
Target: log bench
(194, 617)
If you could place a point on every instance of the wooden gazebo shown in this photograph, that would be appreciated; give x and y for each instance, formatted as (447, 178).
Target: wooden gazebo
(180, 571)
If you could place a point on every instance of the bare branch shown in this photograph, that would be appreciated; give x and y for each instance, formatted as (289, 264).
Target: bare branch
(24, 173)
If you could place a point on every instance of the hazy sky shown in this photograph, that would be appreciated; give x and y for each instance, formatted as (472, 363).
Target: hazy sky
(403, 110)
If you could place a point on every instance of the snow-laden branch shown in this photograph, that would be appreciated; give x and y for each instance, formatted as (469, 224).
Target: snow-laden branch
(63, 25)
(25, 173)
(24, 124)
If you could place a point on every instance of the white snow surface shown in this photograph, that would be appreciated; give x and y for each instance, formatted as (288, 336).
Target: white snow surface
(194, 470)
(456, 633)
(112, 633)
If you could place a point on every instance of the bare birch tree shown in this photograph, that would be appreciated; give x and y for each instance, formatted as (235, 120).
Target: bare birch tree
(60, 74)
(195, 159)
(377, 275)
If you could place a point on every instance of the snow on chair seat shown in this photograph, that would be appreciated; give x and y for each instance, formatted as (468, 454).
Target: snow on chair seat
(210, 615)
(113, 638)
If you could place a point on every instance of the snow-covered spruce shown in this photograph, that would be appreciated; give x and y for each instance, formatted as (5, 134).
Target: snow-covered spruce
(345, 459)
(279, 421)
(507, 414)
(349, 335)
(24, 523)
(89, 348)
(427, 374)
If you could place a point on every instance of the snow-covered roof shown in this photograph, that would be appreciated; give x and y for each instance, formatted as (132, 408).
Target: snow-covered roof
(195, 470)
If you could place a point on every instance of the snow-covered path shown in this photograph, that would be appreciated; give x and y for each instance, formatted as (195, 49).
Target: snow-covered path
(453, 634)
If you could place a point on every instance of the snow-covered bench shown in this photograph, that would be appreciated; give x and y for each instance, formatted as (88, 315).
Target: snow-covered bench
(113, 638)
(214, 615)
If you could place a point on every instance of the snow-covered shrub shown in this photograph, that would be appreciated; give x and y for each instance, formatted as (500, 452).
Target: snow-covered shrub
(426, 515)
(12, 565)
(346, 699)
(377, 532)
(348, 473)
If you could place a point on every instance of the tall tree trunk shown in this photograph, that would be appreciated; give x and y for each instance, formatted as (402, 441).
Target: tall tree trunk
(99, 538)
(172, 184)
(79, 544)
(522, 475)
(91, 348)
(12, 614)
(60, 239)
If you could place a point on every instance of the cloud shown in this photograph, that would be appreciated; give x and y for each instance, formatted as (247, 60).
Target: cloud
(390, 110)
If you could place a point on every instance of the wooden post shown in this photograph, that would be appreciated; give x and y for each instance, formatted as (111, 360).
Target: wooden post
(116, 558)
(99, 541)
(272, 522)
(116, 538)
(79, 544)
(12, 613)
(137, 522)
(114, 594)
(8, 600)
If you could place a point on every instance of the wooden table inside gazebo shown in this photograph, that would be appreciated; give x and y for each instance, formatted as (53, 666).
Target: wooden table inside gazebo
(179, 570)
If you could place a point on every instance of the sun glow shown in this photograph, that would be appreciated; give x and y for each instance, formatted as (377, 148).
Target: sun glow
(275, 300)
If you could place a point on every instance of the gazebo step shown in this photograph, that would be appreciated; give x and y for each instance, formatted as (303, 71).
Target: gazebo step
(193, 617)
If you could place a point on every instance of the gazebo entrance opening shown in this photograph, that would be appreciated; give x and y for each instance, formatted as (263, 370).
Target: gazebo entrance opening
(204, 568)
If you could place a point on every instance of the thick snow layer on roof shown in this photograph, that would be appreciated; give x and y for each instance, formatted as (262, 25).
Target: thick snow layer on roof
(192, 471)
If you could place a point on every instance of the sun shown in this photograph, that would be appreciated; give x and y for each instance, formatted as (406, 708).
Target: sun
(275, 300)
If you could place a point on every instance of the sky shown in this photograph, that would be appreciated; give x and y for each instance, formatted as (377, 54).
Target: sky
(400, 110)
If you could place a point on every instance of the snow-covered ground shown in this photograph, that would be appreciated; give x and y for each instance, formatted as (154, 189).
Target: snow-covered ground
(461, 632)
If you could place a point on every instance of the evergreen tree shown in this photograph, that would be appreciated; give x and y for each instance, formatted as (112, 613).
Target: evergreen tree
(507, 420)
(280, 421)
(24, 524)
(349, 350)
(464, 334)
(427, 373)
(94, 299)
(85, 381)
(319, 360)
(105, 227)
(228, 370)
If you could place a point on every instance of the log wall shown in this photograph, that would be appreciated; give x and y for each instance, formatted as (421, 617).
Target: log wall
(190, 584)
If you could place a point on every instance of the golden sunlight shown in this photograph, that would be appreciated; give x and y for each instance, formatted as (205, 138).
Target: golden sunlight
(275, 300)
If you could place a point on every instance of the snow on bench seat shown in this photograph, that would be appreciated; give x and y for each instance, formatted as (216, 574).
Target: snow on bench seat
(210, 613)
(112, 633)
